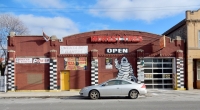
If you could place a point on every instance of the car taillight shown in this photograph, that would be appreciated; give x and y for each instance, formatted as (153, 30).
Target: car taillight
(143, 86)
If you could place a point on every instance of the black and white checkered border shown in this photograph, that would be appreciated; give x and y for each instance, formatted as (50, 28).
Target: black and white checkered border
(53, 74)
(94, 72)
(140, 71)
(11, 75)
(180, 73)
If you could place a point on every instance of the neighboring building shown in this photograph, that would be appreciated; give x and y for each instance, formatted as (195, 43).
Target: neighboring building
(93, 57)
(189, 29)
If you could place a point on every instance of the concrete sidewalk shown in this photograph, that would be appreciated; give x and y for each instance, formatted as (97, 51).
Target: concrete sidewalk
(75, 93)
(38, 94)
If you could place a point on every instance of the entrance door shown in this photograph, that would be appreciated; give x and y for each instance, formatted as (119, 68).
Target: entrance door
(197, 79)
(64, 80)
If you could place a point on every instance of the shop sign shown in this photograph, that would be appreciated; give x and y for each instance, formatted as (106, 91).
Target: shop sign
(41, 60)
(73, 49)
(116, 38)
(116, 50)
(32, 60)
(23, 60)
(75, 63)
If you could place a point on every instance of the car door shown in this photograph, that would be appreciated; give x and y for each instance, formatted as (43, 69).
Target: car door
(110, 89)
(125, 87)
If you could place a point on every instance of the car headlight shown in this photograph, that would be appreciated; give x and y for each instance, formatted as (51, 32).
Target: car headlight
(85, 88)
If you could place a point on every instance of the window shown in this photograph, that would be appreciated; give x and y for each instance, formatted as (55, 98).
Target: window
(198, 75)
(114, 82)
(198, 70)
(199, 39)
(125, 82)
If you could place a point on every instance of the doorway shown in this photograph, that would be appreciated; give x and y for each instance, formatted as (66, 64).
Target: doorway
(64, 80)
(197, 75)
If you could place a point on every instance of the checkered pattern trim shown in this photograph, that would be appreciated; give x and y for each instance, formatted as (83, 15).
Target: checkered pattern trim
(180, 73)
(94, 72)
(140, 71)
(53, 74)
(11, 75)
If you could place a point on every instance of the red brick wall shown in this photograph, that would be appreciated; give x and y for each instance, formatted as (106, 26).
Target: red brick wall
(36, 46)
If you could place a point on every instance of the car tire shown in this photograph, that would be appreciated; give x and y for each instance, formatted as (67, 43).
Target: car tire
(94, 94)
(133, 94)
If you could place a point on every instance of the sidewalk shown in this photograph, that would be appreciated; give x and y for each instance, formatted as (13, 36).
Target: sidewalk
(38, 94)
(75, 93)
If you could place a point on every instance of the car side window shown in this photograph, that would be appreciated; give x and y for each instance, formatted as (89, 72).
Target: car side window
(114, 82)
(125, 82)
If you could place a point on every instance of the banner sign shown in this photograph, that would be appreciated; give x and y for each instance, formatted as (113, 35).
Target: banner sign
(75, 63)
(32, 60)
(23, 60)
(41, 60)
(116, 38)
(73, 49)
(116, 50)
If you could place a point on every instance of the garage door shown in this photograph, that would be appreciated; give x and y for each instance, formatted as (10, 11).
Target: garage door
(158, 73)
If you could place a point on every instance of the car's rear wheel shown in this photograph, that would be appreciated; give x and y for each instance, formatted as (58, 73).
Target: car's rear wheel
(94, 94)
(133, 94)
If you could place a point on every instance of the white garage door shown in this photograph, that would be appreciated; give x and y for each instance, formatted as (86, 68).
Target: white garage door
(158, 73)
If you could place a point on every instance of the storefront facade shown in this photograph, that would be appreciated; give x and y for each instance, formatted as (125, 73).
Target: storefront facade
(189, 30)
(93, 57)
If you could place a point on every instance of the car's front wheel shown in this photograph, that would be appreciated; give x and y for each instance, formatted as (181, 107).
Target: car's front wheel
(94, 94)
(133, 94)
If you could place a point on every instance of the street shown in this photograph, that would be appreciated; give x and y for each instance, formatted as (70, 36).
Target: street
(155, 102)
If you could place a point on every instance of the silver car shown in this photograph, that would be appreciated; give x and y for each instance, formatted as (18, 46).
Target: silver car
(114, 87)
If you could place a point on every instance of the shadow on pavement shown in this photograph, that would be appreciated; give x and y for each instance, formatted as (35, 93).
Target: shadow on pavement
(87, 98)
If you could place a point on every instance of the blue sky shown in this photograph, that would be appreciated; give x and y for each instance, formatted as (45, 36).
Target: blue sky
(68, 17)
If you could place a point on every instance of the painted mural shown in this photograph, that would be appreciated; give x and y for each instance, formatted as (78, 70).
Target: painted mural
(125, 70)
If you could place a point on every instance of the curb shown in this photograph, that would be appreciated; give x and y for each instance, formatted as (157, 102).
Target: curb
(43, 97)
(71, 90)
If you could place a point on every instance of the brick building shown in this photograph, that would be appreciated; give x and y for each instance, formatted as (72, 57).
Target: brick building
(189, 30)
(90, 58)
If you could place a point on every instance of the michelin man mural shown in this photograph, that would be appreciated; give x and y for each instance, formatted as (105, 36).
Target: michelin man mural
(125, 70)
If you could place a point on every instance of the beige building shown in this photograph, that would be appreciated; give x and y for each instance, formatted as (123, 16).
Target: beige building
(189, 29)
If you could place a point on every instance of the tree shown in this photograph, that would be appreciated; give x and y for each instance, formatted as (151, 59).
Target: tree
(9, 23)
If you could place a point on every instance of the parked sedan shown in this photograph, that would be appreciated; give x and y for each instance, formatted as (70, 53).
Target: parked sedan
(114, 87)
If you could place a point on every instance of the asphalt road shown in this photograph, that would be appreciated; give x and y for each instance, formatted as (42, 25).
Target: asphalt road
(78, 103)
